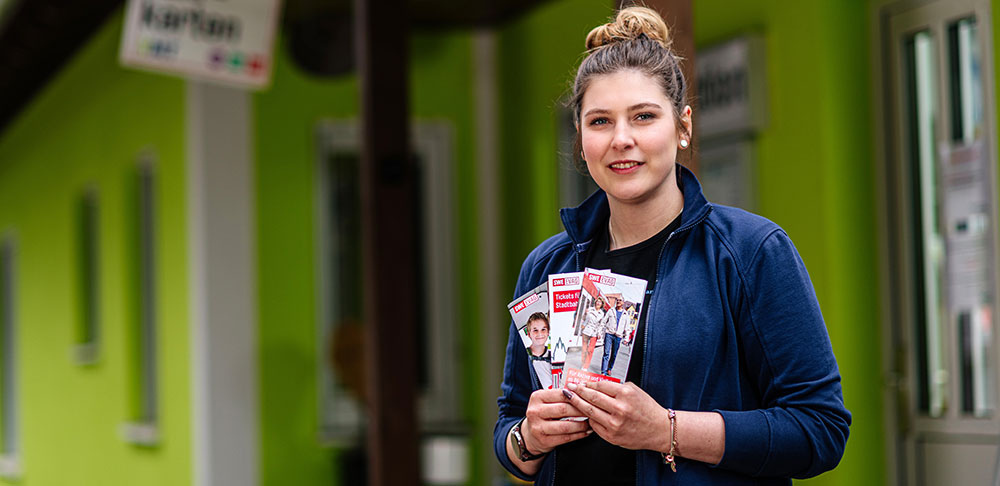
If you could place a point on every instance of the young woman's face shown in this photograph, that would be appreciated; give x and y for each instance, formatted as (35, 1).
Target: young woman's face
(538, 330)
(629, 136)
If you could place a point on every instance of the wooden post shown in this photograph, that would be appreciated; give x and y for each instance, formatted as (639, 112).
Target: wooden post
(388, 237)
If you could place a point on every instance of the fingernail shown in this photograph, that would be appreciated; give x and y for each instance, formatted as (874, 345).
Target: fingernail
(590, 431)
(568, 394)
(571, 386)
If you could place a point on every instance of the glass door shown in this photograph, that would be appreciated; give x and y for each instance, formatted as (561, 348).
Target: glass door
(941, 186)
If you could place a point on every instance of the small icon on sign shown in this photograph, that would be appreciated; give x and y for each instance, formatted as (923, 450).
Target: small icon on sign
(216, 58)
(256, 64)
(160, 48)
(236, 61)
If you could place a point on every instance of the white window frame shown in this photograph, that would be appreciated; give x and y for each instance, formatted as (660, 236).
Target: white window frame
(340, 416)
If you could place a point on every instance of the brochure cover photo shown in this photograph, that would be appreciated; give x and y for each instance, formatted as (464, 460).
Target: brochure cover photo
(603, 327)
(530, 313)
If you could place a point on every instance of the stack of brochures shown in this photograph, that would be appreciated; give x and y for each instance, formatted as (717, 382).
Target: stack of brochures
(580, 326)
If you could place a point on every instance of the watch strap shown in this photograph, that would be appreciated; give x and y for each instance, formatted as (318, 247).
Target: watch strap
(517, 440)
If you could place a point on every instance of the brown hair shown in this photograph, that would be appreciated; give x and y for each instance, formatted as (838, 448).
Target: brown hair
(538, 316)
(637, 39)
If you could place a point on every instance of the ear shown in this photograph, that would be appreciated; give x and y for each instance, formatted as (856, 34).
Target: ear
(686, 121)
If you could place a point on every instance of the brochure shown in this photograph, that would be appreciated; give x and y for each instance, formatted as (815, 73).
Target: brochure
(530, 313)
(564, 294)
(605, 319)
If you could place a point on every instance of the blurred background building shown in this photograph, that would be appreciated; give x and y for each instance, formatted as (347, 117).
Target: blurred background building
(181, 297)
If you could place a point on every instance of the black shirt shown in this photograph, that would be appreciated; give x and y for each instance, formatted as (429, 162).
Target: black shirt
(592, 460)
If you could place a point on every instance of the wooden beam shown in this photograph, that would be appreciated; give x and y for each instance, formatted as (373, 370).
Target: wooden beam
(388, 185)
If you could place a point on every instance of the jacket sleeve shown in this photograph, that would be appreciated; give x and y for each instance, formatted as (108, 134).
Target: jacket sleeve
(515, 389)
(802, 426)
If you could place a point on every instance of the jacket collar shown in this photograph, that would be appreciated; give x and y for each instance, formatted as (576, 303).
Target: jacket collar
(582, 221)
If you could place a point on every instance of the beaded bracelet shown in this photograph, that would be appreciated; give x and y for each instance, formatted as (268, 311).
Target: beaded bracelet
(668, 457)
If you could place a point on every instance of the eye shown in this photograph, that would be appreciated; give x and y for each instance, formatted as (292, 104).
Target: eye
(645, 116)
(598, 121)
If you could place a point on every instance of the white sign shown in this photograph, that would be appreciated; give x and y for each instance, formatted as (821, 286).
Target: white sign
(228, 41)
(731, 88)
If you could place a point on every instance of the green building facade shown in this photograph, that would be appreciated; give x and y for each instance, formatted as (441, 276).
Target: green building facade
(488, 104)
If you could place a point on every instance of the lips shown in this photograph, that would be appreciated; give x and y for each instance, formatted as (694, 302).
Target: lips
(625, 166)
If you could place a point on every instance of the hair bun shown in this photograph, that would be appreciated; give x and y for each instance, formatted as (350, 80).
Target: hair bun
(629, 24)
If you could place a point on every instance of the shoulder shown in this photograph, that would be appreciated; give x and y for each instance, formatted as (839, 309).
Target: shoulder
(742, 234)
(547, 248)
(554, 255)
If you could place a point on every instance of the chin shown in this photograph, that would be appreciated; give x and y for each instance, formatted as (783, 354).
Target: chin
(626, 196)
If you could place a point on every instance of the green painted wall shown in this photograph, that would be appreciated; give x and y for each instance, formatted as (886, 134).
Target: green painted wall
(286, 117)
(88, 127)
(816, 178)
(815, 173)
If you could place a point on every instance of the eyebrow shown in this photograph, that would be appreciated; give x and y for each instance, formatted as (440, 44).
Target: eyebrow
(639, 106)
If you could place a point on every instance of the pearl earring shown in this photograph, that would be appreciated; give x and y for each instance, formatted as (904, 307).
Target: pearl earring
(684, 143)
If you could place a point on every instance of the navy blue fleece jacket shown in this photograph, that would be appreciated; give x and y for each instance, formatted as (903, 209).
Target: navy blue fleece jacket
(733, 326)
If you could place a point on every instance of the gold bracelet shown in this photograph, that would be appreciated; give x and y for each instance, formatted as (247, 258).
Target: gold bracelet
(668, 457)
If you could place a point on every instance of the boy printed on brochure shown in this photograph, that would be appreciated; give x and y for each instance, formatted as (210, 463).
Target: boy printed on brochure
(530, 315)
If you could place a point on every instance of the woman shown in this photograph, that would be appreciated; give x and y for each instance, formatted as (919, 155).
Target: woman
(591, 327)
(732, 380)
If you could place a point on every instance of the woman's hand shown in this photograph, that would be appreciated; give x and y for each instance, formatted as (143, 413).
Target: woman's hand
(627, 416)
(543, 428)
(623, 415)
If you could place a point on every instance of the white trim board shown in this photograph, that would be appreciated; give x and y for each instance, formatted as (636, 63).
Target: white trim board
(223, 286)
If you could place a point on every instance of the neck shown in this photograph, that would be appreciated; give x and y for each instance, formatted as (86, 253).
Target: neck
(635, 222)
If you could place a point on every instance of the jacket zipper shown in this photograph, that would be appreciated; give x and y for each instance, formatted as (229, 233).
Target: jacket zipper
(649, 320)
(580, 248)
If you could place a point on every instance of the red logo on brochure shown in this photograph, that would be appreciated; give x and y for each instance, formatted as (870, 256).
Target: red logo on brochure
(526, 302)
(601, 279)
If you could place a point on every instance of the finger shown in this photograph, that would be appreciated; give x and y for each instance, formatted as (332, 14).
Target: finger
(598, 399)
(607, 387)
(562, 427)
(604, 432)
(558, 410)
(586, 407)
(571, 437)
(550, 396)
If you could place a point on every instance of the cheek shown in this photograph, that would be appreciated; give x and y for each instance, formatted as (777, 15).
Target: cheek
(593, 146)
(664, 143)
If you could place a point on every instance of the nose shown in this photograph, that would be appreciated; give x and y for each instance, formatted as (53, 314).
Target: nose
(623, 137)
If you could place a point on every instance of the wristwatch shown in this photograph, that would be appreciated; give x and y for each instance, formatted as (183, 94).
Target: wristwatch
(517, 442)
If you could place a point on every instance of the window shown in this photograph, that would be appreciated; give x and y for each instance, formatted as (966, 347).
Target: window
(928, 252)
(87, 337)
(143, 430)
(10, 439)
(340, 331)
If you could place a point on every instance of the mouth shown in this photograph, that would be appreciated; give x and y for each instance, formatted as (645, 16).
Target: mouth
(625, 166)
